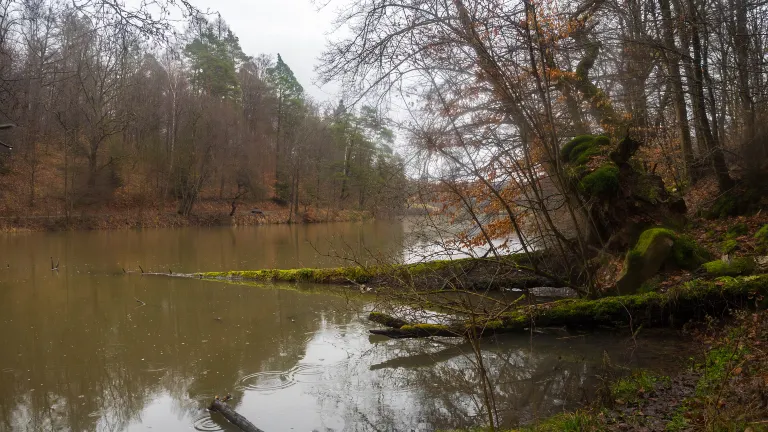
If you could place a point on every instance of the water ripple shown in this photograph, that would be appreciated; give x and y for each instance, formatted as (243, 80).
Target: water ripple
(266, 381)
(206, 424)
(277, 380)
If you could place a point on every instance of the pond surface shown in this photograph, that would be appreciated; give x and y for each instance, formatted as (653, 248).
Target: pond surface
(88, 347)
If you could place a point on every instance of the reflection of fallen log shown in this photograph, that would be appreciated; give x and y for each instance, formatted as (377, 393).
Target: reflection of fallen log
(231, 415)
(424, 359)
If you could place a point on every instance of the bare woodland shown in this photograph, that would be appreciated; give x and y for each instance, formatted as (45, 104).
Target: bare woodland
(500, 92)
(120, 108)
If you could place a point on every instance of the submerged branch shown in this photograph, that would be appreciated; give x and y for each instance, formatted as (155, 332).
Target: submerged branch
(220, 406)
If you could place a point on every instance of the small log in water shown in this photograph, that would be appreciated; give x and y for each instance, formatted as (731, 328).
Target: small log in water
(232, 416)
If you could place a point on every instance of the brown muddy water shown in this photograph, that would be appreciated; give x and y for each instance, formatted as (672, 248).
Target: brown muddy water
(88, 348)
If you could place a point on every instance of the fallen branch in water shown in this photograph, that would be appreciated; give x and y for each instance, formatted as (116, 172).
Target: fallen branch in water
(220, 406)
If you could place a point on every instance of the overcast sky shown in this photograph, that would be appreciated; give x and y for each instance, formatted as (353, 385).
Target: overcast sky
(294, 28)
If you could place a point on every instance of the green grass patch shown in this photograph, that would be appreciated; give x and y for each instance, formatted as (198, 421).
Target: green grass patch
(718, 368)
(578, 421)
(630, 388)
(678, 422)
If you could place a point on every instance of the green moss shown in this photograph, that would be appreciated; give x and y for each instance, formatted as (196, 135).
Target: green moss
(340, 275)
(737, 230)
(762, 239)
(387, 320)
(737, 267)
(603, 181)
(729, 246)
(762, 233)
(343, 275)
(429, 329)
(687, 254)
(615, 309)
(691, 300)
(581, 149)
(568, 148)
(649, 236)
(494, 324)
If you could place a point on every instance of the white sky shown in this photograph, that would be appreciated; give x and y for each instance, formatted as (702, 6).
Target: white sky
(297, 29)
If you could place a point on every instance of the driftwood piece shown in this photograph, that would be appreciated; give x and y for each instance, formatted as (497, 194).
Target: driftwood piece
(231, 415)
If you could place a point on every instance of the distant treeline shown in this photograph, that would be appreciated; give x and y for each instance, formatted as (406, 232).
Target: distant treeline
(108, 118)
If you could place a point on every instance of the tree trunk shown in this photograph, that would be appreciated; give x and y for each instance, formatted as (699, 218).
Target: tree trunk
(741, 44)
(672, 59)
(714, 151)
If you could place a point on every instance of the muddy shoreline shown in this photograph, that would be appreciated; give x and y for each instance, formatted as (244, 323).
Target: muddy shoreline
(111, 220)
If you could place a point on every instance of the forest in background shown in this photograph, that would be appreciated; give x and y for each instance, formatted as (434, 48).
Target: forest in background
(110, 120)
(575, 124)
(615, 149)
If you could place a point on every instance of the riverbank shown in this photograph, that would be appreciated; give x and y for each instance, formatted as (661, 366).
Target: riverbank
(723, 389)
(206, 215)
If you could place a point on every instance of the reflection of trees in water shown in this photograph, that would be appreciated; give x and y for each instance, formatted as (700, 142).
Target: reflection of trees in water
(103, 360)
(384, 390)
(90, 359)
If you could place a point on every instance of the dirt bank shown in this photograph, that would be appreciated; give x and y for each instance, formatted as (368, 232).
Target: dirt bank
(209, 215)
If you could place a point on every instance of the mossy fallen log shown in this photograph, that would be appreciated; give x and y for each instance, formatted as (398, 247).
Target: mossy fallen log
(468, 273)
(739, 266)
(692, 300)
(339, 275)
(386, 320)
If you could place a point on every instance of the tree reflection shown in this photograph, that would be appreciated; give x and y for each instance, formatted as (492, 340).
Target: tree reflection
(80, 353)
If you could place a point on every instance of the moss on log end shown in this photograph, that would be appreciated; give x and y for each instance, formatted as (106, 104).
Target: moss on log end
(386, 320)
(736, 267)
(692, 300)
